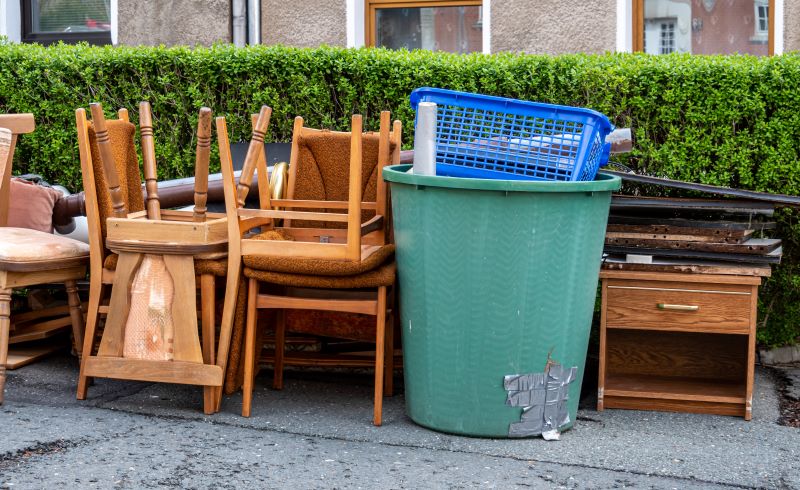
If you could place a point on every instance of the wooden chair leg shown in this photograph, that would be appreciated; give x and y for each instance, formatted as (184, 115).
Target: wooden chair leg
(249, 347)
(380, 334)
(76, 316)
(207, 293)
(388, 373)
(280, 349)
(92, 318)
(5, 327)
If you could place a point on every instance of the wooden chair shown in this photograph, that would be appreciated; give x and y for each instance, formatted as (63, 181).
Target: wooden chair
(100, 205)
(330, 244)
(30, 257)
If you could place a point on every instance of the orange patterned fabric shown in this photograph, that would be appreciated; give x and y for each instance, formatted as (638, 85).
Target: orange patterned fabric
(121, 134)
(323, 171)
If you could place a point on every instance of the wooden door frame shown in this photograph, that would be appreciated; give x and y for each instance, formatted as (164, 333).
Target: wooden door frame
(637, 26)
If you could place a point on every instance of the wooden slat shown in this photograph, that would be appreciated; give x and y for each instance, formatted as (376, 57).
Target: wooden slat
(163, 231)
(675, 388)
(615, 235)
(18, 123)
(619, 203)
(367, 307)
(657, 276)
(186, 345)
(292, 203)
(20, 279)
(189, 373)
(354, 191)
(40, 331)
(302, 215)
(696, 225)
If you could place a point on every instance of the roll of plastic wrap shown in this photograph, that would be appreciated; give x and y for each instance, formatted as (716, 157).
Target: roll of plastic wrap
(425, 139)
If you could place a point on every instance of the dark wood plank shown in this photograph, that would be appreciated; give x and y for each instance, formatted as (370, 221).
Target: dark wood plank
(755, 246)
(685, 204)
(729, 225)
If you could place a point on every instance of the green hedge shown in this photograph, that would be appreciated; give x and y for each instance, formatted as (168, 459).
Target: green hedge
(723, 120)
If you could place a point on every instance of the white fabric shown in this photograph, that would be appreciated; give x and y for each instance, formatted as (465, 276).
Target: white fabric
(24, 245)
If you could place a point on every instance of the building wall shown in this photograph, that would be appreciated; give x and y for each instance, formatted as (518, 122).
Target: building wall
(554, 26)
(791, 25)
(306, 23)
(174, 22)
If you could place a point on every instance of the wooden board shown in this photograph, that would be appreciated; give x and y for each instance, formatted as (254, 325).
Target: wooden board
(39, 331)
(22, 355)
(755, 246)
(678, 233)
(728, 225)
(728, 206)
(773, 257)
(615, 234)
(696, 266)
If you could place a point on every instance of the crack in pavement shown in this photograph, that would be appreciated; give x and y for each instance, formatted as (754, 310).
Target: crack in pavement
(276, 430)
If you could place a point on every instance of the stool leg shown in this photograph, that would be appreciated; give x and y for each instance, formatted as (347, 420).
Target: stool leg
(249, 347)
(92, 318)
(76, 316)
(5, 327)
(380, 334)
(280, 349)
(207, 292)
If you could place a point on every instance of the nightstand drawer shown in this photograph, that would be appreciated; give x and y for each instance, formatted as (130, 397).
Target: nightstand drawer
(687, 307)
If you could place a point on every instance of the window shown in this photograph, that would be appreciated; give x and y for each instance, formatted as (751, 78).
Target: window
(704, 26)
(71, 21)
(454, 26)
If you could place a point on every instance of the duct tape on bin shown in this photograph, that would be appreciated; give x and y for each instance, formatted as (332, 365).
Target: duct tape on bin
(543, 398)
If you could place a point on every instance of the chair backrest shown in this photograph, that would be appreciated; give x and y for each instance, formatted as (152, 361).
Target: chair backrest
(97, 196)
(15, 124)
(319, 169)
(341, 244)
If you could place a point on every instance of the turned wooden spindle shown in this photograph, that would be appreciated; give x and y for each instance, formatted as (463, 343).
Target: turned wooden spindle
(149, 160)
(119, 208)
(201, 164)
(253, 153)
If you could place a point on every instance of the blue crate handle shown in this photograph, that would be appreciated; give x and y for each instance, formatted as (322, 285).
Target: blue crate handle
(597, 123)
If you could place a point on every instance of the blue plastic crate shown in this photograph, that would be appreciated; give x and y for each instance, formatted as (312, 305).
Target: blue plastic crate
(488, 137)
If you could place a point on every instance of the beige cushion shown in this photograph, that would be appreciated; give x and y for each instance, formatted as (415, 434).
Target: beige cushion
(31, 206)
(24, 245)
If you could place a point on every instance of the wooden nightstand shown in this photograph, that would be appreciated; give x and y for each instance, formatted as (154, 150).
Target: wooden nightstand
(677, 342)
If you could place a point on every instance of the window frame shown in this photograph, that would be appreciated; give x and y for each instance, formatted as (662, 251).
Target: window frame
(98, 38)
(372, 5)
(637, 26)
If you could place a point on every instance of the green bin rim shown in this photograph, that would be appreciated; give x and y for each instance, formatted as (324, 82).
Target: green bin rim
(399, 174)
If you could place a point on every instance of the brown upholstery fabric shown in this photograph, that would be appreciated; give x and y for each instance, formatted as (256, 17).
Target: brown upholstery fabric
(382, 276)
(318, 267)
(218, 267)
(341, 325)
(234, 374)
(121, 134)
(323, 171)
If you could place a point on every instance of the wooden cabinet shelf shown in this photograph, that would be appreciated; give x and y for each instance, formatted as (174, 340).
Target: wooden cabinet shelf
(677, 342)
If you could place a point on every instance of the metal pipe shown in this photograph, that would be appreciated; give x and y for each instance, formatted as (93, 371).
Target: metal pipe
(239, 22)
(171, 193)
(253, 21)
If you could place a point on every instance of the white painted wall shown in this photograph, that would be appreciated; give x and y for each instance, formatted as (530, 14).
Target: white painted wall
(10, 20)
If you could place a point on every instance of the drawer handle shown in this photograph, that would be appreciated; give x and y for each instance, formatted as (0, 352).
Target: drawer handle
(664, 306)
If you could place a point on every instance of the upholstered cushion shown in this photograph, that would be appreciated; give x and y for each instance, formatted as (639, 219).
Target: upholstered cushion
(31, 206)
(218, 267)
(382, 276)
(24, 245)
(319, 267)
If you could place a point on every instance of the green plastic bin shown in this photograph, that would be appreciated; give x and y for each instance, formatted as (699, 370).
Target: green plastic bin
(496, 277)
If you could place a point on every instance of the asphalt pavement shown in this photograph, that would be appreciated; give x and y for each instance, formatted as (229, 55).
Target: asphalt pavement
(317, 433)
